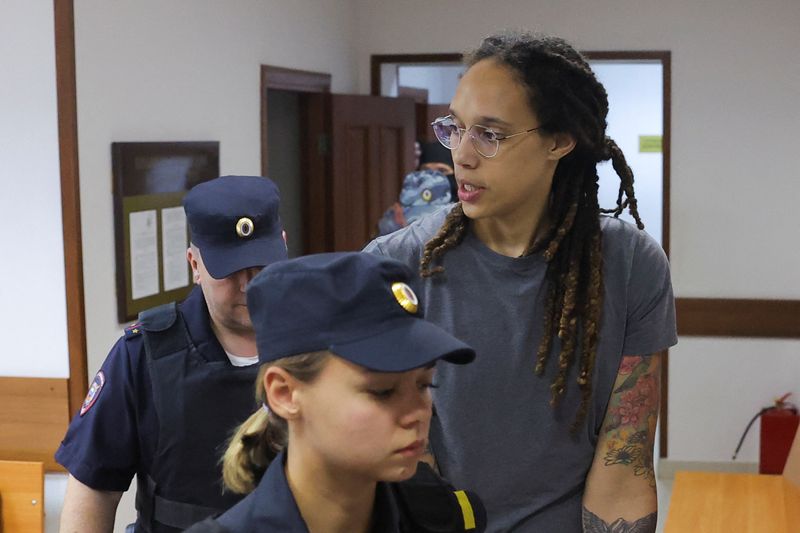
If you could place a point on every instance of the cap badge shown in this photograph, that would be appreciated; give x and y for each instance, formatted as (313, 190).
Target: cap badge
(244, 228)
(405, 297)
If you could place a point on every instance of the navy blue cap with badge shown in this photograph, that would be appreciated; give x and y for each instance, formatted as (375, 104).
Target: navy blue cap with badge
(358, 306)
(234, 222)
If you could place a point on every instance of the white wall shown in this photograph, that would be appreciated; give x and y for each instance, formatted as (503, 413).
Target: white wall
(735, 183)
(722, 383)
(179, 71)
(32, 266)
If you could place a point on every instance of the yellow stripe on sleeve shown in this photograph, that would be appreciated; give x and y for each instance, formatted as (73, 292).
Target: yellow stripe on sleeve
(466, 509)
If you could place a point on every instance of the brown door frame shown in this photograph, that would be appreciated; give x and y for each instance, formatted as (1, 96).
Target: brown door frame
(66, 95)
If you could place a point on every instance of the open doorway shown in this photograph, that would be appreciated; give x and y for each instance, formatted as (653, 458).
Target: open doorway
(284, 163)
(338, 159)
(288, 157)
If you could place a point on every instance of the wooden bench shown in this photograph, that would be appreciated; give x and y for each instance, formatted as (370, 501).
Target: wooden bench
(713, 502)
(21, 497)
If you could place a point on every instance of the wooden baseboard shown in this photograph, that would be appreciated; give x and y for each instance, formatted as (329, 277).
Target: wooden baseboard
(730, 317)
(34, 415)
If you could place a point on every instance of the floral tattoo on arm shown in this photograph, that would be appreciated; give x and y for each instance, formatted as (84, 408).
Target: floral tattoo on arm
(632, 414)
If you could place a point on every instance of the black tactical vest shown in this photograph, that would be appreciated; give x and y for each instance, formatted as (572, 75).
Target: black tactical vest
(199, 403)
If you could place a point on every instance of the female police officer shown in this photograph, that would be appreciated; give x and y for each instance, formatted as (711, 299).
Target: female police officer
(346, 365)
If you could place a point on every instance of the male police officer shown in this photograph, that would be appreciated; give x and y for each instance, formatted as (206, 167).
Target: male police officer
(177, 382)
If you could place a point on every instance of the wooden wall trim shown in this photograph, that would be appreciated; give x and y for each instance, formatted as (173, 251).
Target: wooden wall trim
(34, 415)
(709, 317)
(70, 199)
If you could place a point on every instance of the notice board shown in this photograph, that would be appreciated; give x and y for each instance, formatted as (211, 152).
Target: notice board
(151, 233)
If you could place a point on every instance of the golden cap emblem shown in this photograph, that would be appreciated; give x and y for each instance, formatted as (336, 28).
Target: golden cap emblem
(405, 297)
(244, 228)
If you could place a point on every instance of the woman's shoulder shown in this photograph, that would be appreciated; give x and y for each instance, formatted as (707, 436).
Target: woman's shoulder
(406, 244)
(632, 257)
(622, 239)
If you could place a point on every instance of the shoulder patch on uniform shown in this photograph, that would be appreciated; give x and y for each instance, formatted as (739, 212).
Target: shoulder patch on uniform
(97, 385)
(133, 330)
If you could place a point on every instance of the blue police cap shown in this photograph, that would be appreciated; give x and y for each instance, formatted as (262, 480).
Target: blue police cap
(234, 222)
(358, 306)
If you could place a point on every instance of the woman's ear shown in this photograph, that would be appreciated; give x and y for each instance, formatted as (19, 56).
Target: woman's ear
(562, 144)
(281, 390)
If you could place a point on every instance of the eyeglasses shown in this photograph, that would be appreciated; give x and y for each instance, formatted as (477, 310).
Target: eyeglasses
(485, 140)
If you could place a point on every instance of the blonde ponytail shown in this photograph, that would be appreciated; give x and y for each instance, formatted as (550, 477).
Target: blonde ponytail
(264, 435)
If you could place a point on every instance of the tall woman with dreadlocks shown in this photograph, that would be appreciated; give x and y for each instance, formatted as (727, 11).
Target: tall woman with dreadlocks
(567, 306)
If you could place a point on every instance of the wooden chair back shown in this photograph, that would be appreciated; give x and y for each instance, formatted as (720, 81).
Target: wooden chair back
(21, 496)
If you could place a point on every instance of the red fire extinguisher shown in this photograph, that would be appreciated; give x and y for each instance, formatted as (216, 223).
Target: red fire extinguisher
(778, 427)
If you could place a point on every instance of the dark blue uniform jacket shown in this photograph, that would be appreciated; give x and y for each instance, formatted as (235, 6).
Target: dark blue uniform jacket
(118, 433)
(272, 507)
(423, 504)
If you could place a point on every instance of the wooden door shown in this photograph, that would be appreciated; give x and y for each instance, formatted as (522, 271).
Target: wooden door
(372, 148)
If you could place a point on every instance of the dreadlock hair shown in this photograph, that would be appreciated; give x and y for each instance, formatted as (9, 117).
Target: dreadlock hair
(567, 98)
(260, 438)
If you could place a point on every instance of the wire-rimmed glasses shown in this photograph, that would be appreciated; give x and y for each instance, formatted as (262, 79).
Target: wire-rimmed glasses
(485, 140)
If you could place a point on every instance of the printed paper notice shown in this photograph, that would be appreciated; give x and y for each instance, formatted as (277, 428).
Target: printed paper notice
(144, 253)
(173, 248)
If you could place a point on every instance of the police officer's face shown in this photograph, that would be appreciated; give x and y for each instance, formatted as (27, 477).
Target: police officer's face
(370, 424)
(226, 297)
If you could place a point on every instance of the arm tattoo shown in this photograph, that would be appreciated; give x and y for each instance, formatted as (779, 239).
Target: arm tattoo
(631, 417)
(594, 524)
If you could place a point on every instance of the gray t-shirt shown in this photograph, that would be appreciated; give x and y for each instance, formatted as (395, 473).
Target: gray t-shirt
(495, 432)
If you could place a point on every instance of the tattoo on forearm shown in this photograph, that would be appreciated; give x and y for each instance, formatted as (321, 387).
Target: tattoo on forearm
(633, 411)
(594, 524)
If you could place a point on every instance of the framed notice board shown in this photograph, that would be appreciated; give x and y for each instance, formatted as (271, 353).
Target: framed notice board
(151, 234)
